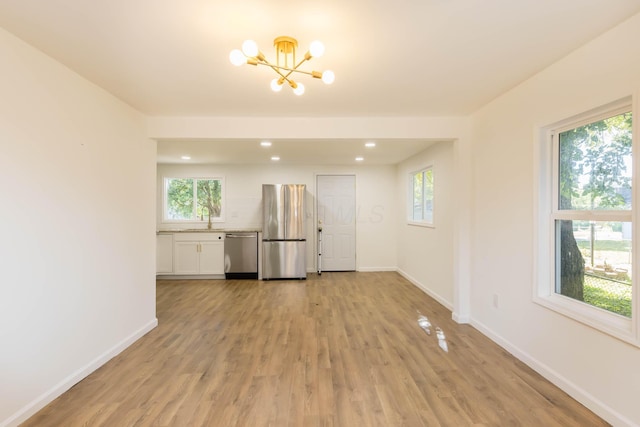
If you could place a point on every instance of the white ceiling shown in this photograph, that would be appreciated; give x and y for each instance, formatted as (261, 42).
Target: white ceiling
(390, 57)
(301, 152)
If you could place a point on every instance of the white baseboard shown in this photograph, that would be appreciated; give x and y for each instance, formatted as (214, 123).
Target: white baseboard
(587, 399)
(598, 407)
(602, 410)
(68, 382)
(363, 269)
(372, 269)
(426, 290)
(460, 319)
(189, 276)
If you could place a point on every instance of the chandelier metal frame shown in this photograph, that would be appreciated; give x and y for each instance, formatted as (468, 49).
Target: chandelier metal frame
(285, 64)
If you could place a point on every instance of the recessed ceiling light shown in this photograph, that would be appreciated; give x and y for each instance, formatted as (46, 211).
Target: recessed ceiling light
(275, 158)
(359, 159)
(266, 143)
(186, 157)
(370, 144)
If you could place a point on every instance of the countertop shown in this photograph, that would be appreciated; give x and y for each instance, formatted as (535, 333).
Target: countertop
(206, 230)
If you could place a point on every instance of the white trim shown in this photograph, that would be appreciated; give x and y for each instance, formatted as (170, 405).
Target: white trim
(421, 224)
(613, 324)
(620, 216)
(410, 201)
(546, 214)
(374, 269)
(581, 395)
(635, 206)
(426, 290)
(461, 319)
(609, 110)
(462, 230)
(47, 397)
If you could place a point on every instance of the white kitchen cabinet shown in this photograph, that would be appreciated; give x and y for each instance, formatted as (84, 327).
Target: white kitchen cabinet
(198, 253)
(164, 254)
(212, 257)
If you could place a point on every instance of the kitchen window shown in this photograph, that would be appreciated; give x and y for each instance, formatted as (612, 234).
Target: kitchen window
(421, 197)
(585, 247)
(193, 199)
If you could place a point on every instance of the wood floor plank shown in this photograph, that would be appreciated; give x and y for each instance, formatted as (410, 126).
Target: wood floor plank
(340, 349)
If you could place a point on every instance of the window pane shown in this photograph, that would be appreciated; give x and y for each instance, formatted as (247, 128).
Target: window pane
(417, 197)
(595, 165)
(594, 260)
(209, 198)
(428, 195)
(179, 198)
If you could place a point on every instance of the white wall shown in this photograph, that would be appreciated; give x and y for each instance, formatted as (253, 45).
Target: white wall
(77, 249)
(375, 227)
(425, 254)
(456, 129)
(599, 370)
(76, 177)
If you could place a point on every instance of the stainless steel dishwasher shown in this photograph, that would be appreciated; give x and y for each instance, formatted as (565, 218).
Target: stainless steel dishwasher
(241, 255)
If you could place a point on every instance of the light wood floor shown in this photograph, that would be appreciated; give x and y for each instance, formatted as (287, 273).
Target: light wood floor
(340, 349)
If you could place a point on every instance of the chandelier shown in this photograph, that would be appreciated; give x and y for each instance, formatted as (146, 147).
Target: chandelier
(285, 64)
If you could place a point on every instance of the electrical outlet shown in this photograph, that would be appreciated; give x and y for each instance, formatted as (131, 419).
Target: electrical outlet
(495, 300)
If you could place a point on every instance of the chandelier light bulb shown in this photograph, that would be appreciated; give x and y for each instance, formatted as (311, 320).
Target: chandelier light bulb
(328, 77)
(316, 49)
(237, 58)
(275, 85)
(250, 48)
(299, 90)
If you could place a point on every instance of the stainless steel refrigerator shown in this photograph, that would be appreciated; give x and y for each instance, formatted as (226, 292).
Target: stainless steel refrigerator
(283, 231)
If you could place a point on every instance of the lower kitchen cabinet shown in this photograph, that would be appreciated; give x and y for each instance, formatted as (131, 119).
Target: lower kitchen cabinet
(164, 254)
(198, 253)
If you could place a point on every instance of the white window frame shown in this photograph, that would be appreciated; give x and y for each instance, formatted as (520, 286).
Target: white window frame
(410, 219)
(546, 213)
(194, 219)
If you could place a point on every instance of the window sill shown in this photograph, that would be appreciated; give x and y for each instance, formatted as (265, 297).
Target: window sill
(421, 224)
(617, 326)
(188, 221)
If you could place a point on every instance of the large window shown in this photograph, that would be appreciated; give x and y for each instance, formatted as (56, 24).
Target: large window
(193, 199)
(589, 213)
(421, 197)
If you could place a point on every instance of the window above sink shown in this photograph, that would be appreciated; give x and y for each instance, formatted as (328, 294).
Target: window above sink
(190, 199)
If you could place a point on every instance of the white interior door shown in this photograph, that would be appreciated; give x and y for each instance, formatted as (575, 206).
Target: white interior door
(336, 199)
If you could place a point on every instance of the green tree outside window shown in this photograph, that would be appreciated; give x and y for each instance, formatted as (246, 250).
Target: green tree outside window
(193, 199)
(594, 174)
